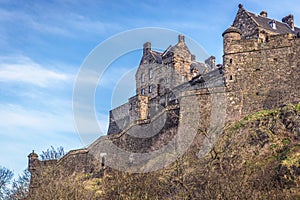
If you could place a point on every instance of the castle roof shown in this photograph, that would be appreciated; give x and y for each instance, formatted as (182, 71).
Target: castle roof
(157, 56)
(201, 67)
(264, 22)
(232, 29)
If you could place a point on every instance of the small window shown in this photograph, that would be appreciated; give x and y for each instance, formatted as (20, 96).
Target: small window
(272, 23)
(167, 80)
(103, 161)
(182, 78)
(143, 91)
(150, 73)
(230, 61)
(143, 78)
(150, 88)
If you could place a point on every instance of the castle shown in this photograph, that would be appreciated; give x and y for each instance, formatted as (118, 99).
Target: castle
(260, 70)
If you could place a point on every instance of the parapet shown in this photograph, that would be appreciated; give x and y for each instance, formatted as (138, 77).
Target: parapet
(256, 44)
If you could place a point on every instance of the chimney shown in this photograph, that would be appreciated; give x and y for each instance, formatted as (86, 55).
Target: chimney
(289, 20)
(211, 62)
(193, 57)
(147, 47)
(180, 38)
(263, 14)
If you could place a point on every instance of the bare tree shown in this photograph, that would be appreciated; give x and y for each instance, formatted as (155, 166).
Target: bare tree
(5, 177)
(20, 187)
(52, 153)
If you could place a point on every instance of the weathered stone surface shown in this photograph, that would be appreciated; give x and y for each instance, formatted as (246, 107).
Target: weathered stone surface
(261, 71)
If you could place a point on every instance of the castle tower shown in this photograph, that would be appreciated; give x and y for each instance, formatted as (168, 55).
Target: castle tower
(32, 161)
(229, 35)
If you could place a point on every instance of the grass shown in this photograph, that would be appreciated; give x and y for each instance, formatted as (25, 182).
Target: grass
(293, 160)
(252, 117)
(259, 115)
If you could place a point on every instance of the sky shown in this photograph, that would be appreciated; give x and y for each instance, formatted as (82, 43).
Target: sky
(43, 45)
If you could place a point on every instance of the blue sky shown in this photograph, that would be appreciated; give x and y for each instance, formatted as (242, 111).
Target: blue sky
(44, 43)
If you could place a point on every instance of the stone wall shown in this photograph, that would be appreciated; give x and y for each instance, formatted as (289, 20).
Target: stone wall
(120, 117)
(261, 75)
(163, 71)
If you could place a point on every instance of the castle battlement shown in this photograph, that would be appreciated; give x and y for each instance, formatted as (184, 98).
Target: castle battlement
(258, 44)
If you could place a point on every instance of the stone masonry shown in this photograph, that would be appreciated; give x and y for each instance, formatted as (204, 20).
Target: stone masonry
(260, 70)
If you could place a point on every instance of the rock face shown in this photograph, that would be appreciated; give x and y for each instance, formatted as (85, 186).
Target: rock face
(246, 109)
(257, 157)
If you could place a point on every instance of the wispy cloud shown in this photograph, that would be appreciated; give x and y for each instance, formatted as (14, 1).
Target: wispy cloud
(22, 69)
(17, 117)
(66, 24)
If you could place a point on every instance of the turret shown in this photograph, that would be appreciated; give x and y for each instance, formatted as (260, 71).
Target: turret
(229, 35)
(32, 161)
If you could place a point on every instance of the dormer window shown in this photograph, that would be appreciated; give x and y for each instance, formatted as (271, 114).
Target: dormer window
(143, 78)
(143, 91)
(272, 23)
(150, 73)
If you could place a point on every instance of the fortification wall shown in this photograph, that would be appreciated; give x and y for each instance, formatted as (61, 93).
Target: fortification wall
(119, 118)
(261, 75)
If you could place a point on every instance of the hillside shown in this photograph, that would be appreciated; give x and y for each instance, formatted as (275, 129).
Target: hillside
(257, 157)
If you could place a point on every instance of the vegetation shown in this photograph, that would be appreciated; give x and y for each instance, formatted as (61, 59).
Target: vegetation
(52, 153)
(255, 158)
(5, 178)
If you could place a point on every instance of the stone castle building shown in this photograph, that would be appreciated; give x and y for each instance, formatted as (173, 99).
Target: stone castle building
(260, 70)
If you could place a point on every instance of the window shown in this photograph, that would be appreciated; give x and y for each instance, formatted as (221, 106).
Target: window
(103, 161)
(150, 88)
(143, 78)
(143, 91)
(272, 23)
(182, 78)
(150, 73)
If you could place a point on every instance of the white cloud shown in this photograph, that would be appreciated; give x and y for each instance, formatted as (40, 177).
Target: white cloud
(22, 69)
(18, 118)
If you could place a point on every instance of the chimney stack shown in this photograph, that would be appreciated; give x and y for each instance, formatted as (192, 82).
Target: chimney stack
(147, 47)
(263, 14)
(193, 57)
(290, 21)
(180, 38)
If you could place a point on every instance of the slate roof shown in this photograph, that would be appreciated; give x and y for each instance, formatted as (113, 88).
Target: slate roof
(297, 30)
(232, 29)
(264, 22)
(201, 67)
(157, 56)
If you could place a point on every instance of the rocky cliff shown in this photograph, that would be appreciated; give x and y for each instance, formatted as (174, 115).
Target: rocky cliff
(257, 157)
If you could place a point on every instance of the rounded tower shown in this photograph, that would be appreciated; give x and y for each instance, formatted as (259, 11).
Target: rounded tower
(32, 161)
(230, 34)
